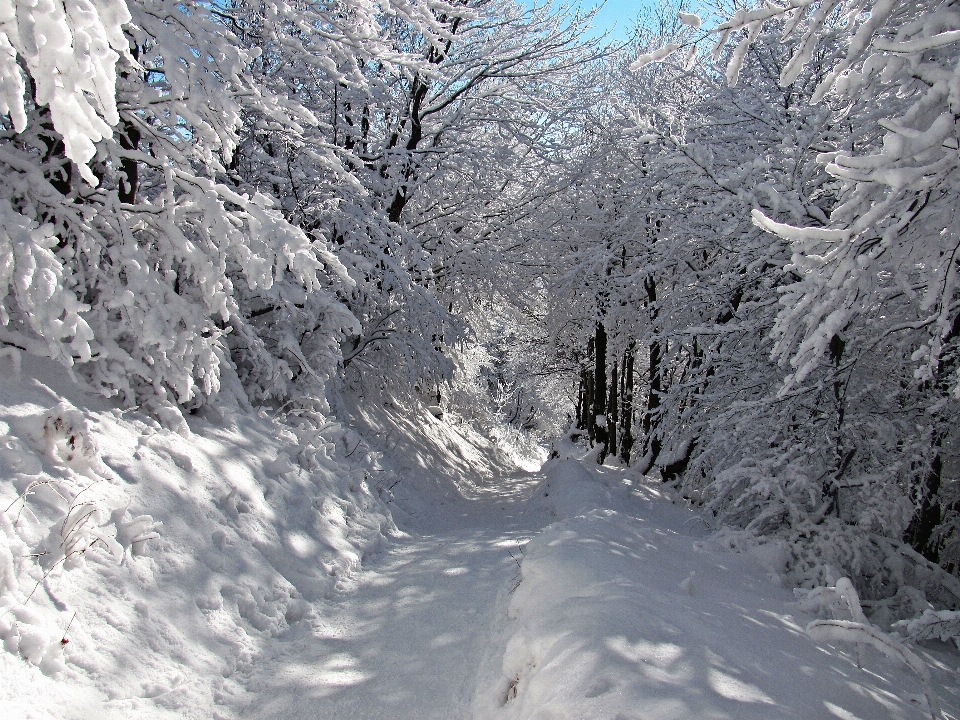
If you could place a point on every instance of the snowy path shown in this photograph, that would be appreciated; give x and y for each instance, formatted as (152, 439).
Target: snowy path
(618, 613)
(405, 640)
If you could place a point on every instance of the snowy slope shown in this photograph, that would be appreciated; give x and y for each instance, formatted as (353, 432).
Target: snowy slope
(438, 463)
(406, 637)
(250, 526)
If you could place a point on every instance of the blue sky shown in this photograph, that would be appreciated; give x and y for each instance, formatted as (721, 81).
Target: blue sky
(617, 16)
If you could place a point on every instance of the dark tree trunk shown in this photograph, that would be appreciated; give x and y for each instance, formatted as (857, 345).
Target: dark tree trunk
(129, 139)
(588, 409)
(418, 94)
(612, 411)
(585, 408)
(626, 416)
(921, 533)
(649, 425)
(841, 455)
(581, 398)
(57, 168)
(678, 466)
(588, 394)
(600, 391)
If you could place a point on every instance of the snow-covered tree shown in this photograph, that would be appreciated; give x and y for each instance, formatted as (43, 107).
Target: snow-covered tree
(850, 435)
(135, 258)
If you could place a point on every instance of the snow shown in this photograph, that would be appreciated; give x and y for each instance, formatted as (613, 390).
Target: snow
(249, 569)
(214, 542)
(656, 56)
(690, 20)
(628, 610)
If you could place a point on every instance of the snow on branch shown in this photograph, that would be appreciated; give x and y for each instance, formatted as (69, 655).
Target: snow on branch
(798, 234)
(658, 55)
(843, 597)
(941, 625)
(70, 51)
(863, 632)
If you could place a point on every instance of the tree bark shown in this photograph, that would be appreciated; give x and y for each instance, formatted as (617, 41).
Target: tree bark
(921, 533)
(840, 461)
(129, 139)
(600, 391)
(626, 416)
(649, 425)
(612, 411)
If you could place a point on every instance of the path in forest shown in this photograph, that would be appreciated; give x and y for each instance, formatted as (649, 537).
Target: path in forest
(625, 609)
(405, 639)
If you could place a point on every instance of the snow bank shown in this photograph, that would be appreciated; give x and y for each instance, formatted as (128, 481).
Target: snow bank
(625, 609)
(569, 489)
(142, 571)
(431, 463)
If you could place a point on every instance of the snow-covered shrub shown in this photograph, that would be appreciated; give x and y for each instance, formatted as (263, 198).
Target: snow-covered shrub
(842, 599)
(941, 625)
(68, 439)
(60, 505)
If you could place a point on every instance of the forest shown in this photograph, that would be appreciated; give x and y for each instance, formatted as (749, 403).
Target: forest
(725, 253)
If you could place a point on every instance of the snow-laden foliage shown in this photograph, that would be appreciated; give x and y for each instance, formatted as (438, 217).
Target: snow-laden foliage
(932, 625)
(880, 277)
(799, 324)
(266, 189)
(417, 167)
(139, 270)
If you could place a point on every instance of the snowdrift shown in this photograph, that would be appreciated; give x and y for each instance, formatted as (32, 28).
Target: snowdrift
(142, 570)
(625, 608)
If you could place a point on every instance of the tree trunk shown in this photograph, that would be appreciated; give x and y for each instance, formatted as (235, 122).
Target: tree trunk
(626, 416)
(612, 411)
(922, 530)
(678, 466)
(585, 407)
(649, 425)
(581, 399)
(129, 139)
(928, 517)
(841, 458)
(588, 409)
(601, 427)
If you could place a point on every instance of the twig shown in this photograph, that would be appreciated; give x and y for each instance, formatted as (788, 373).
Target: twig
(63, 639)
